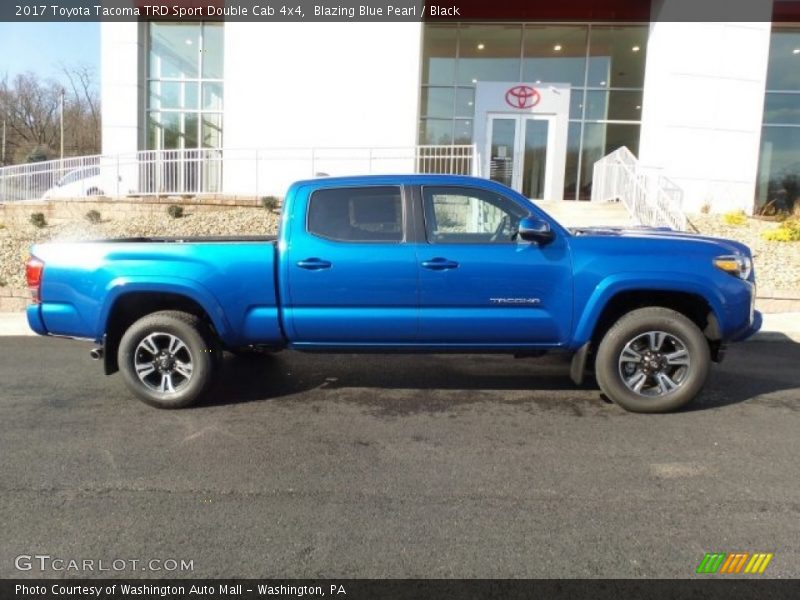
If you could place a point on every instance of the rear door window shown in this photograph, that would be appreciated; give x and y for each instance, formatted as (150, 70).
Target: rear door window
(358, 214)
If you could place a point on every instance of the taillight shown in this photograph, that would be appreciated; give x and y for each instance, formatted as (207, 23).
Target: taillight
(33, 273)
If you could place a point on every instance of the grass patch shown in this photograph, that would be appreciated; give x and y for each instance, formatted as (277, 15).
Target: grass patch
(735, 218)
(788, 231)
(38, 220)
(269, 202)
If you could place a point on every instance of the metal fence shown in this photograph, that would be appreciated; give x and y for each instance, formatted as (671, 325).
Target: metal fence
(32, 181)
(651, 199)
(211, 171)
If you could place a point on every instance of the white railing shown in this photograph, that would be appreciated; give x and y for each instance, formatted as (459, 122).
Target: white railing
(30, 181)
(651, 199)
(211, 171)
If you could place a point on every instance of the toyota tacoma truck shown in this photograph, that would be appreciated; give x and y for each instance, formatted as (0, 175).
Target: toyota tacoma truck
(404, 263)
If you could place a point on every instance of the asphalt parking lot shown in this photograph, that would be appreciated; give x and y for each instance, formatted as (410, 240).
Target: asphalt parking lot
(396, 466)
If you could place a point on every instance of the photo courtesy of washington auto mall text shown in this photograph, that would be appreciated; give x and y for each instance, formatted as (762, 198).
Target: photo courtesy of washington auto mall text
(176, 590)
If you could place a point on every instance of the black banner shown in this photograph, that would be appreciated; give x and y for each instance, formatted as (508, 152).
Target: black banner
(400, 10)
(402, 589)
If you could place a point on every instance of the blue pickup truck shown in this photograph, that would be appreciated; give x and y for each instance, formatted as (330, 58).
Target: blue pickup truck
(405, 263)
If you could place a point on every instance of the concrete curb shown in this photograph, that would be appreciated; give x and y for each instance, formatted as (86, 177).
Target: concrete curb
(777, 327)
(14, 324)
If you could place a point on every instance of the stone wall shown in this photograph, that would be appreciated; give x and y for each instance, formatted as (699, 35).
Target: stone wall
(14, 299)
(56, 211)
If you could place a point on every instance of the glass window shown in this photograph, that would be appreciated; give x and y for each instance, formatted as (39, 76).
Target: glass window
(371, 214)
(779, 165)
(172, 134)
(212, 96)
(439, 54)
(189, 96)
(465, 102)
(617, 56)
(174, 50)
(437, 102)
(173, 95)
(213, 48)
(784, 60)
(489, 53)
(212, 131)
(153, 130)
(456, 215)
(600, 139)
(554, 54)
(467, 53)
(191, 124)
(576, 104)
(463, 132)
(178, 96)
(613, 106)
(782, 108)
(573, 151)
(436, 132)
(779, 168)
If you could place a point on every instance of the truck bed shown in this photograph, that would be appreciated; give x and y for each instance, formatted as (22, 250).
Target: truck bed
(232, 278)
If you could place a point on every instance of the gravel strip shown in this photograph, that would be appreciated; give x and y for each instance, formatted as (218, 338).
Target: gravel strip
(15, 244)
(777, 263)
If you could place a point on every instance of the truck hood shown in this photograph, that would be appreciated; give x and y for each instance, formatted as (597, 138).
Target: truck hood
(660, 233)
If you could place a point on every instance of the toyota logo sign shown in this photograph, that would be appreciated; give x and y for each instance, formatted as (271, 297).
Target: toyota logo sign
(522, 96)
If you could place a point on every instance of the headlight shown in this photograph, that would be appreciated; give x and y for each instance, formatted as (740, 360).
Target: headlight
(740, 266)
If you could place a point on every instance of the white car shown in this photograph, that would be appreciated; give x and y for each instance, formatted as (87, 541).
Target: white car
(78, 184)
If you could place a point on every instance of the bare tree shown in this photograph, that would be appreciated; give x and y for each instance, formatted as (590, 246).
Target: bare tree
(31, 108)
(84, 113)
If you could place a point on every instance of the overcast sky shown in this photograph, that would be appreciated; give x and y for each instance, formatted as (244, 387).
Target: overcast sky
(40, 47)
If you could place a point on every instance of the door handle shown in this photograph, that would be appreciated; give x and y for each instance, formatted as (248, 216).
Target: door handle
(439, 264)
(314, 264)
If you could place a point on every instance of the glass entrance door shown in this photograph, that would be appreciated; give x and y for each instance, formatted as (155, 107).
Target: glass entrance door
(519, 147)
(502, 150)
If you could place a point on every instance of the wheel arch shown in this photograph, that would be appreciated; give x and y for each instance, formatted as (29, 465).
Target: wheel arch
(610, 302)
(129, 306)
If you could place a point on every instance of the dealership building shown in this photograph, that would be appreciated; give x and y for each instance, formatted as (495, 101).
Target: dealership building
(714, 107)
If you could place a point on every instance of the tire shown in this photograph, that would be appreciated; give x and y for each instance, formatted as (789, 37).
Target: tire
(652, 360)
(168, 359)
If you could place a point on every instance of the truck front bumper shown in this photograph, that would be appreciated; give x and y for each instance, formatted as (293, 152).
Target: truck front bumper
(755, 325)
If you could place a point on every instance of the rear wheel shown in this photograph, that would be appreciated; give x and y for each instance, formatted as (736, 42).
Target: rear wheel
(168, 359)
(652, 360)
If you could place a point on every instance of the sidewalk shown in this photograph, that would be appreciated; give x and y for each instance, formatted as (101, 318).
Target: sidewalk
(777, 327)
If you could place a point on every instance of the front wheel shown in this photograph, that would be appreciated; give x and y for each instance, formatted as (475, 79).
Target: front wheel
(652, 360)
(168, 359)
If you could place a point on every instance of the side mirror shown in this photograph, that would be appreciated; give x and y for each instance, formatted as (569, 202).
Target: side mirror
(533, 229)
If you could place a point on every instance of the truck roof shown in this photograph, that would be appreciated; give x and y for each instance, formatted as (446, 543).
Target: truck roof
(398, 179)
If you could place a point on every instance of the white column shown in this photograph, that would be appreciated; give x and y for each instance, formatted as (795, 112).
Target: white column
(122, 81)
(322, 85)
(703, 107)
